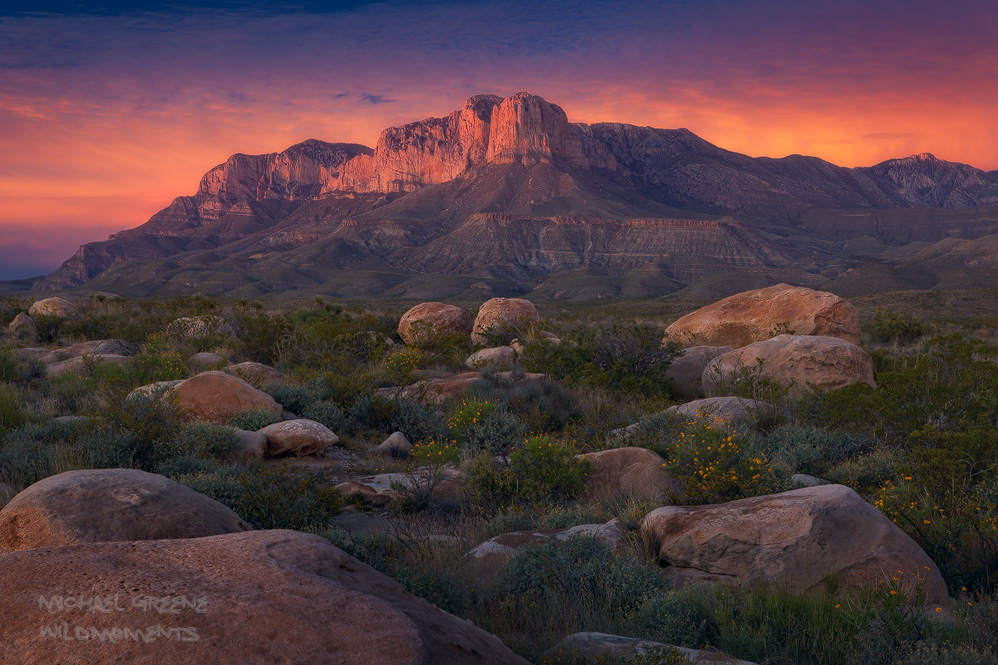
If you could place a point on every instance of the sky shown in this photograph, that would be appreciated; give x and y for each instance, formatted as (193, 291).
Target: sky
(110, 110)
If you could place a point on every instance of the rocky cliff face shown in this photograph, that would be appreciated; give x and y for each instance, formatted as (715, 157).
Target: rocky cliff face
(509, 187)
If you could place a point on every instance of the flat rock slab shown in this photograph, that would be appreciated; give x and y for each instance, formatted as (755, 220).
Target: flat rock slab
(79, 363)
(254, 598)
(101, 505)
(728, 409)
(602, 645)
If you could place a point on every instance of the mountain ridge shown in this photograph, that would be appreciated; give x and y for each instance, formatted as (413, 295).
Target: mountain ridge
(419, 201)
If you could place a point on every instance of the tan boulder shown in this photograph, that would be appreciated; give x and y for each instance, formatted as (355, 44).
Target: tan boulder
(59, 307)
(490, 557)
(756, 315)
(259, 375)
(505, 318)
(443, 486)
(638, 472)
(729, 409)
(685, 370)
(603, 647)
(250, 445)
(495, 357)
(154, 390)
(208, 359)
(799, 361)
(206, 325)
(23, 326)
(216, 396)
(101, 505)
(396, 444)
(439, 390)
(429, 321)
(298, 437)
(796, 538)
(255, 598)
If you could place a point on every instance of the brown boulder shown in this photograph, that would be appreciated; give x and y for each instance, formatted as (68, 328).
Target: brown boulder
(429, 321)
(794, 538)
(298, 437)
(795, 360)
(756, 315)
(259, 375)
(78, 363)
(495, 357)
(59, 307)
(491, 556)
(730, 409)
(23, 326)
(505, 318)
(439, 390)
(216, 396)
(443, 486)
(685, 370)
(635, 471)
(103, 505)
(255, 598)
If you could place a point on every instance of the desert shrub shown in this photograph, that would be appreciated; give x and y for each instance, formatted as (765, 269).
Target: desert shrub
(622, 358)
(436, 452)
(419, 422)
(10, 307)
(448, 592)
(545, 405)
(811, 450)
(198, 440)
(187, 465)
(48, 327)
(105, 448)
(12, 411)
(24, 461)
(491, 483)
(281, 498)
(398, 364)
(678, 617)
(895, 327)
(298, 398)
(253, 420)
(144, 423)
(10, 366)
(260, 334)
(716, 462)
(221, 483)
(373, 411)
(328, 413)
(547, 470)
(486, 426)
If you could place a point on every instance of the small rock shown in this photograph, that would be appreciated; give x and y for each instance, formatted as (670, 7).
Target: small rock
(207, 359)
(250, 445)
(804, 480)
(298, 437)
(68, 420)
(396, 444)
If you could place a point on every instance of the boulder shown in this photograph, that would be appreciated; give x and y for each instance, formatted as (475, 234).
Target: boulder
(491, 556)
(59, 307)
(494, 357)
(806, 480)
(438, 390)
(729, 409)
(603, 647)
(154, 390)
(298, 437)
(396, 444)
(254, 598)
(427, 322)
(259, 375)
(685, 370)
(80, 363)
(74, 351)
(444, 486)
(23, 326)
(505, 318)
(216, 396)
(250, 445)
(206, 325)
(638, 472)
(208, 359)
(102, 505)
(794, 539)
(797, 361)
(753, 316)
(117, 347)
(31, 353)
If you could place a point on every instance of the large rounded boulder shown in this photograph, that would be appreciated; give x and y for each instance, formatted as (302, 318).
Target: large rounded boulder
(795, 539)
(686, 369)
(753, 316)
(58, 307)
(216, 397)
(798, 361)
(298, 437)
(638, 472)
(255, 598)
(429, 321)
(102, 505)
(504, 319)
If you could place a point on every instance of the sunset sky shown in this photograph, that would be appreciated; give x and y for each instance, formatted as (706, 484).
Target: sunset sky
(107, 114)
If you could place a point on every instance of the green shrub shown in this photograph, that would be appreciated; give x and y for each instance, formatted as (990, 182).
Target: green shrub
(48, 327)
(811, 450)
(297, 399)
(419, 422)
(486, 426)
(279, 498)
(142, 422)
(222, 483)
(328, 413)
(24, 461)
(436, 453)
(895, 327)
(676, 617)
(398, 364)
(198, 440)
(253, 420)
(547, 470)
(12, 411)
(545, 405)
(105, 448)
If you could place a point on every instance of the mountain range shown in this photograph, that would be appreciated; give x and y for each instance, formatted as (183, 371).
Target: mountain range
(506, 196)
